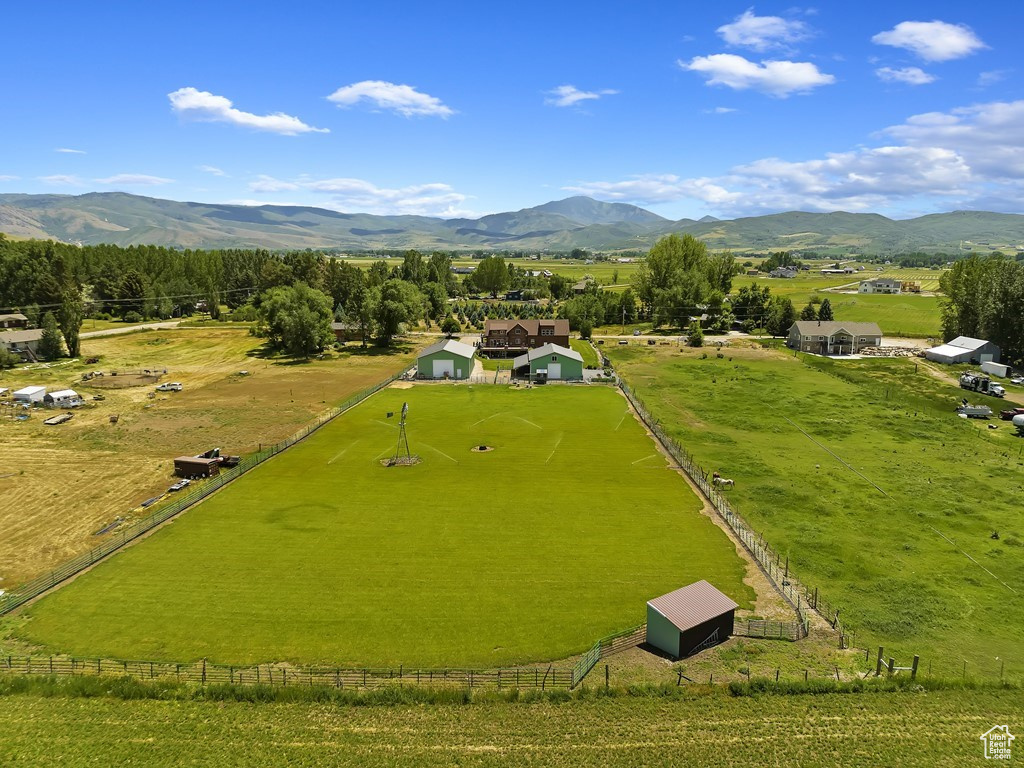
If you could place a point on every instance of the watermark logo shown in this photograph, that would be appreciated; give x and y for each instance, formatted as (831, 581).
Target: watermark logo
(998, 741)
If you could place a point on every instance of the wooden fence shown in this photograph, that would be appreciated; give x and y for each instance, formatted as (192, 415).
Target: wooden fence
(204, 673)
(606, 646)
(32, 589)
(775, 567)
(780, 630)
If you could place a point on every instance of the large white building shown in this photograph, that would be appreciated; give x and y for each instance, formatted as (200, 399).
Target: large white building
(880, 285)
(964, 349)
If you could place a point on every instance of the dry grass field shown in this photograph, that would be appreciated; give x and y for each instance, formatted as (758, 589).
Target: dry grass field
(59, 485)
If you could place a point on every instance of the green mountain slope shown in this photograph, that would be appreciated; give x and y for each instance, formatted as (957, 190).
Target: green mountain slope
(576, 222)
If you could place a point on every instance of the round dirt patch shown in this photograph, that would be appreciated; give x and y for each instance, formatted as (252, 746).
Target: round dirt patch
(481, 448)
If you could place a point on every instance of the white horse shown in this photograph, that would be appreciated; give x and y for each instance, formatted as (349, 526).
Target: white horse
(723, 482)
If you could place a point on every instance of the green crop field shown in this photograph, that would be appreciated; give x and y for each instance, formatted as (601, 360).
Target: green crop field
(861, 472)
(867, 730)
(528, 552)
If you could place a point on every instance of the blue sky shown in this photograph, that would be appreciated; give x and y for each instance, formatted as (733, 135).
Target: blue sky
(458, 108)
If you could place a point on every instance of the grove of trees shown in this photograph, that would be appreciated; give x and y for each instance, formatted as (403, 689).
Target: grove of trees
(984, 299)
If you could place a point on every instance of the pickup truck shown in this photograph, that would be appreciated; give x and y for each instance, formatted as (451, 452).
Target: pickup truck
(169, 386)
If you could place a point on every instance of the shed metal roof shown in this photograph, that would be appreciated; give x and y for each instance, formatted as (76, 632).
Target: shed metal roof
(966, 342)
(547, 349)
(30, 390)
(449, 345)
(63, 394)
(948, 350)
(692, 605)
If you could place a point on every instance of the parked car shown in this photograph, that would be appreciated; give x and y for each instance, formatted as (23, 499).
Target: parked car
(180, 485)
(1009, 414)
(169, 386)
(1017, 380)
(636, 332)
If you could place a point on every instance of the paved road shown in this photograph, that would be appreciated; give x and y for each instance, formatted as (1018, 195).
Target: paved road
(130, 329)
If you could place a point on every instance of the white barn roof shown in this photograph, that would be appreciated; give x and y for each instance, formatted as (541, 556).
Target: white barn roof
(948, 350)
(966, 342)
(450, 345)
(63, 394)
(28, 391)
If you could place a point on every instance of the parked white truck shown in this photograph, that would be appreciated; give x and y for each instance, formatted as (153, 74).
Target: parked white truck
(976, 382)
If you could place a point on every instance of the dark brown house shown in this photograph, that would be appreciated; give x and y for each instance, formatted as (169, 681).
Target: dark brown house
(13, 321)
(510, 338)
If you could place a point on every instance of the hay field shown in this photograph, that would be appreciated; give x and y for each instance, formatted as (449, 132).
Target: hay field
(58, 485)
(528, 552)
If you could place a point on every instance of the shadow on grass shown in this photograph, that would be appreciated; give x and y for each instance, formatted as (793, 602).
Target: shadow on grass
(266, 351)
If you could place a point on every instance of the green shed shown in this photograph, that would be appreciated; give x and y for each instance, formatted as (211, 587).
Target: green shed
(689, 620)
(550, 363)
(448, 359)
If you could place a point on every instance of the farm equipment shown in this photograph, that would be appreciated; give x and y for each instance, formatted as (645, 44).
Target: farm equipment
(976, 382)
(60, 418)
(974, 411)
(1018, 422)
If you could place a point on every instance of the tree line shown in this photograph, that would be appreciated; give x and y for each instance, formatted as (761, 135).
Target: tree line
(984, 299)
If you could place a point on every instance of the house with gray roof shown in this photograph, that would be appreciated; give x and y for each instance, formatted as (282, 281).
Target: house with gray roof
(833, 337)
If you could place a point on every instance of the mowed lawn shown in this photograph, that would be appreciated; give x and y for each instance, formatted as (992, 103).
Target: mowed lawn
(913, 563)
(526, 553)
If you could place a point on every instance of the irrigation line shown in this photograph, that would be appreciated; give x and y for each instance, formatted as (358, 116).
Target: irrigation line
(834, 455)
(986, 570)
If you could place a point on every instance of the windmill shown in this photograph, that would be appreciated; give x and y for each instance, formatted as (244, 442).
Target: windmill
(403, 438)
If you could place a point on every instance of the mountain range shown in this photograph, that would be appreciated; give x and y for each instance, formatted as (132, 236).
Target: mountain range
(561, 225)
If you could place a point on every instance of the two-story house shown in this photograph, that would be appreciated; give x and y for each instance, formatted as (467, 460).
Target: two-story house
(833, 337)
(880, 285)
(509, 338)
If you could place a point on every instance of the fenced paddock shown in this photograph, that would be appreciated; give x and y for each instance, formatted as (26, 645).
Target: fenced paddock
(408, 554)
(771, 562)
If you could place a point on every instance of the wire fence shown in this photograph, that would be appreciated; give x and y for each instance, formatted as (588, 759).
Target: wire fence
(606, 646)
(32, 589)
(277, 675)
(772, 563)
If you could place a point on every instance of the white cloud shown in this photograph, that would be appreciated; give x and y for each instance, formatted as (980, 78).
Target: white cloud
(969, 157)
(135, 179)
(212, 170)
(775, 78)
(346, 194)
(646, 189)
(67, 151)
(720, 110)
(908, 75)
(62, 180)
(205, 106)
(9, 178)
(989, 136)
(402, 99)
(991, 77)
(932, 40)
(762, 33)
(570, 95)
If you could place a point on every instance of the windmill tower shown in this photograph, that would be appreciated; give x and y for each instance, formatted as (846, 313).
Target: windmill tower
(403, 438)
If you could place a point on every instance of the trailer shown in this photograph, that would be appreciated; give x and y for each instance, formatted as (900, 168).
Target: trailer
(996, 369)
(974, 411)
(976, 382)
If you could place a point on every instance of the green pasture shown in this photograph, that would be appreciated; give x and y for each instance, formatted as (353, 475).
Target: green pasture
(912, 563)
(586, 349)
(526, 553)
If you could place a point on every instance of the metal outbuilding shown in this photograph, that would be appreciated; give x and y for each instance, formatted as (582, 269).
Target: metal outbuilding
(448, 359)
(550, 362)
(964, 349)
(63, 398)
(29, 395)
(689, 619)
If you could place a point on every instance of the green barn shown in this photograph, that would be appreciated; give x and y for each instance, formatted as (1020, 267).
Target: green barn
(550, 363)
(448, 359)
